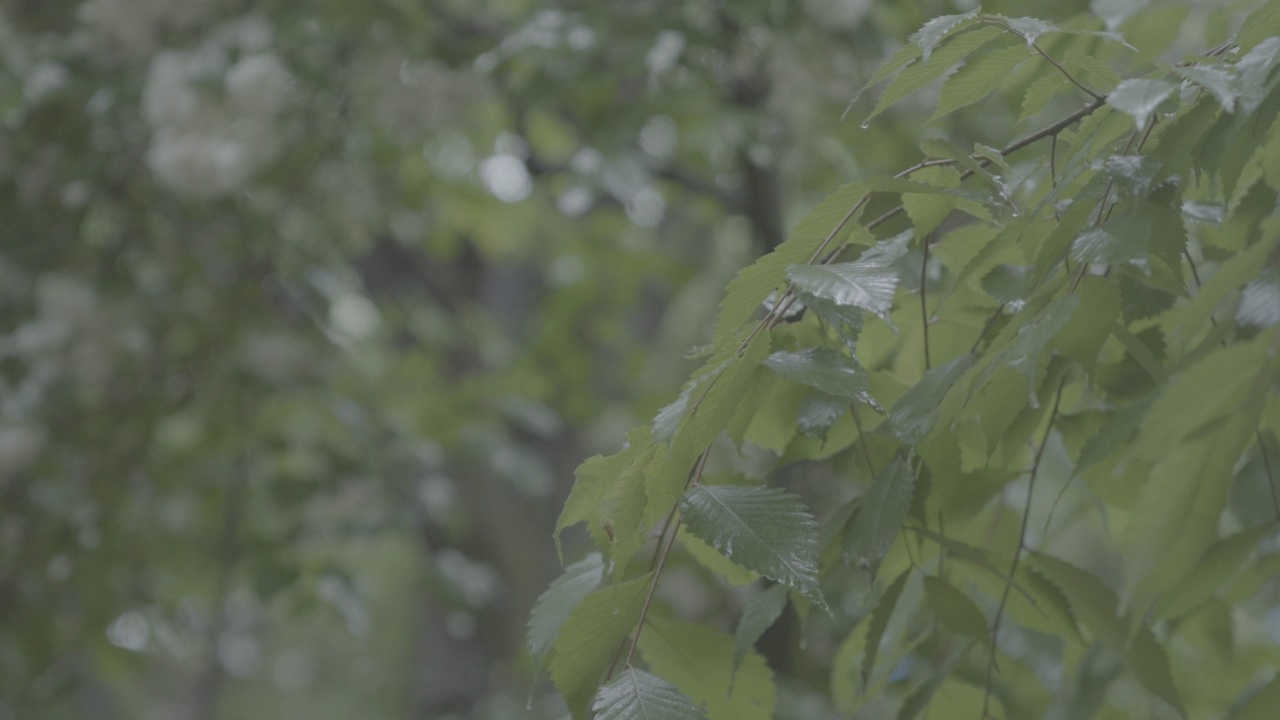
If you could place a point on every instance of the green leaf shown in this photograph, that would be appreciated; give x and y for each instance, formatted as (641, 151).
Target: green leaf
(823, 369)
(1260, 301)
(1122, 240)
(819, 413)
(932, 32)
(956, 611)
(1095, 604)
(1139, 98)
(879, 623)
(595, 478)
(1220, 82)
(713, 404)
(1215, 568)
(918, 76)
(979, 78)
(762, 611)
(558, 601)
(699, 659)
(637, 695)
(712, 560)
(866, 284)
(1032, 28)
(590, 636)
(1254, 73)
(762, 529)
(1082, 337)
(880, 517)
(1185, 325)
(928, 211)
(1262, 24)
(754, 283)
(1102, 75)
(915, 412)
(1039, 93)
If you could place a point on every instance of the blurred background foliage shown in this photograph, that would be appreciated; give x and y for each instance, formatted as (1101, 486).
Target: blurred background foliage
(308, 310)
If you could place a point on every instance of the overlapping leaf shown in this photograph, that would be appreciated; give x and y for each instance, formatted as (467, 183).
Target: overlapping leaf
(699, 660)
(764, 530)
(637, 695)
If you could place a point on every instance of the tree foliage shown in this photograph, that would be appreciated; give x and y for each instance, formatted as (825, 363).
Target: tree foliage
(1038, 383)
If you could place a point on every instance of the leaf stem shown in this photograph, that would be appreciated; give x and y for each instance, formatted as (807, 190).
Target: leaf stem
(924, 307)
(1022, 544)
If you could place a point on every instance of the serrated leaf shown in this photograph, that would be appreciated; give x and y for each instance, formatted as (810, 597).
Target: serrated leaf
(711, 407)
(594, 478)
(590, 636)
(928, 211)
(755, 282)
(1096, 606)
(1260, 301)
(762, 529)
(979, 78)
(918, 76)
(1103, 76)
(700, 661)
(762, 611)
(880, 517)
(1082, 337)
(932, 32)
(1253, 73)
(879, 623)
(1039, 93)
(823, 369)
(1210, 574)
(819, 413)
(1121, 240)
(867, 283)
(1140, 97)
(558, 601)
(637, 695)
(1220, 82)
(956, 611)
(712, 560)
(1032, 28)
(914, 413)
(1189, 322)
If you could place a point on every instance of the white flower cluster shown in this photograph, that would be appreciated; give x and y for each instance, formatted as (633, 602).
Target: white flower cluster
(206, 143)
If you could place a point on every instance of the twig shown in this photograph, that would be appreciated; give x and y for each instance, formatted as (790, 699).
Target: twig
(1017, 553)
(1063, 70)
(991, 320)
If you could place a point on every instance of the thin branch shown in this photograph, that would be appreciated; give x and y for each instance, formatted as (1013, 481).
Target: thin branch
(990, 321)
(648, 599)
(1053, 172)
(924, 307)
(1022, 544)
(1064, 72)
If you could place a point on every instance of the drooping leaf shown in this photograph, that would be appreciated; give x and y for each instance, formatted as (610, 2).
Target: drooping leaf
(1211, 573)
(699, 660)
(1096, 606)
(879, 623)
(595, 478)
(1082, 337)
(914, 413)
(558, 601)
(822, 369)
(762, 529)
(932, 32)
(868, 283)
(1139, 98)
(979, 78)
(883, 510)
(819, 413)
(712, 560)
(1118, 241)
(1220, 82)
(711, 407)
(919, 75)
(1040, 93)
(590, 636)
(762, 611)
(928, 211)
(955, 609)
(637, 695)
